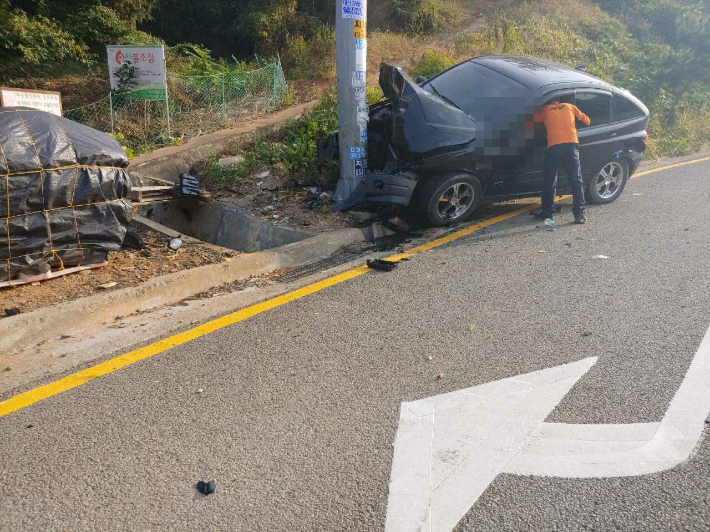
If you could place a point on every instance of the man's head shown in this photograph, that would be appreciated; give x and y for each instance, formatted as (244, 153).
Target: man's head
(564, 98)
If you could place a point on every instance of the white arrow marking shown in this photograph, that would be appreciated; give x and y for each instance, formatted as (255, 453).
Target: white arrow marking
(450, 447)
(593, 451)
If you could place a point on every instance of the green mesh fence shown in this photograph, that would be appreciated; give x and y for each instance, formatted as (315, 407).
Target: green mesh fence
(196, 105)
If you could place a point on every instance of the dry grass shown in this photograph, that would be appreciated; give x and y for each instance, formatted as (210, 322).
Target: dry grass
(79, 85)
(396, 48)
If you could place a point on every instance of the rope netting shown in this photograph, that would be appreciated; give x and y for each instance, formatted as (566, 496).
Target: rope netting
(196, 105)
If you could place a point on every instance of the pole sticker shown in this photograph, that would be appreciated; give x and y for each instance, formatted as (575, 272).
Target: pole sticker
(363, 113)
(359, 78)
(360, 93)
(360, 168)
(353, 9)
(359, 29)
(356, 153)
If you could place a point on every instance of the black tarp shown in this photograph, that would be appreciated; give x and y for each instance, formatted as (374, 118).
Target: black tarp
(63, 193)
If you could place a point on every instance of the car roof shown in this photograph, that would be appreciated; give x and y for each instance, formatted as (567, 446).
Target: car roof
(537, 73)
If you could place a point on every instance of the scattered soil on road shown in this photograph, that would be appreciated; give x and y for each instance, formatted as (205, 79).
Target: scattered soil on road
(127, 267)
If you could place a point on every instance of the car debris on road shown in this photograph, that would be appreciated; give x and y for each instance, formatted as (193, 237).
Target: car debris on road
(382, 265)
(206, 488)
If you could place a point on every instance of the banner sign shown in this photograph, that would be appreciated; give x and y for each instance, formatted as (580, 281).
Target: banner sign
(49, 101)
(138, 69)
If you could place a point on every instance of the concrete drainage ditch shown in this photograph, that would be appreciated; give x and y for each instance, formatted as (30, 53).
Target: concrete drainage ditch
(223, 225)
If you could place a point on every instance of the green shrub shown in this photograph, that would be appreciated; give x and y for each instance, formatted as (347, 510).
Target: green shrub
(97, 25)
(121, 139)
(295, 147)
(430, 64)
(313, 58)
(425, 16)
(36, 40)
(191, 59)
(374, 94)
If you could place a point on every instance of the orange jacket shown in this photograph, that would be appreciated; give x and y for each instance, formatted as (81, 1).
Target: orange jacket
(559, 121)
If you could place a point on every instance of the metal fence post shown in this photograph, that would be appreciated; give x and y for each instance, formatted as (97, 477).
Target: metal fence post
(273, 86)
(110, 103)
(167, 108)
(224, 100)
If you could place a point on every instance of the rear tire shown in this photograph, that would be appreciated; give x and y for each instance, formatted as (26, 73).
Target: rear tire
(609, 182)
(450, 199)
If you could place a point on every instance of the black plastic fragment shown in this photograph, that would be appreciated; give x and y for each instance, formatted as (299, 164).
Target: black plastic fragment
(382, 265)
(206, 488)
(13, 311)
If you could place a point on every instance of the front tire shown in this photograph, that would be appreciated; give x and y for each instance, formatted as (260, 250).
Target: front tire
(451, 199)
(608, 183)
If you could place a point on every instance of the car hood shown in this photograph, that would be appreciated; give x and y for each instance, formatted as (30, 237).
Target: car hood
(422, 123)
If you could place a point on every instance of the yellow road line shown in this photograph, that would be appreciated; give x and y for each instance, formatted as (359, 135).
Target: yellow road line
(77, 379)
(661, 168)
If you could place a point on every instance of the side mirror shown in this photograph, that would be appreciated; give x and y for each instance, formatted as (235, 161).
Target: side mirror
(420, 80)
(583, 68)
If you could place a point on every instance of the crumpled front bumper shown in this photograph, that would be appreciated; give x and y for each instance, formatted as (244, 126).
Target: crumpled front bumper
(380, 188)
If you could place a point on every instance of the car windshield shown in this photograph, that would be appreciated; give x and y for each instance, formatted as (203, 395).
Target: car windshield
(467, 84)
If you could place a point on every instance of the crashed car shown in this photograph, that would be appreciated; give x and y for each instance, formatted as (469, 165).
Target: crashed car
(471, 135)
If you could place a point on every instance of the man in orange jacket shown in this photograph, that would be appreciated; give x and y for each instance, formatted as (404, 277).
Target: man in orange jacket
(562, 152)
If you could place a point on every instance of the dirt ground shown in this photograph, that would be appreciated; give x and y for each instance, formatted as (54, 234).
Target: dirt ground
(288, 205)
(127, 267)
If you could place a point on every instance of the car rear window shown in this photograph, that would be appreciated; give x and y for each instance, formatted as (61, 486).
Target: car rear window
(596, 105)
(626, 109)
(468, 82)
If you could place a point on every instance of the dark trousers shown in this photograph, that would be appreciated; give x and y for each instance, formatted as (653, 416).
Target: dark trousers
(557, 157)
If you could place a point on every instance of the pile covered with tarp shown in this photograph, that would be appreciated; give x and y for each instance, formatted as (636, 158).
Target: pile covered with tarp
(63, 193)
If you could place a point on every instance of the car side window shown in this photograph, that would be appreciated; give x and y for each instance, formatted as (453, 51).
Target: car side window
(626, 109)
(596, 105)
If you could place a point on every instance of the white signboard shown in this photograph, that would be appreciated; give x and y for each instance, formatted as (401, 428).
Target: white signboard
(43, 100)
(149, 62)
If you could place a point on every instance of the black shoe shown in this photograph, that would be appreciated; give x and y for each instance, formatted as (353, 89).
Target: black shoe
(581, 219)
(543, 216)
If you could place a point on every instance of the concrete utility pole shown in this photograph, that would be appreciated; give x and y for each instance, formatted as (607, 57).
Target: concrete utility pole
(351, 68)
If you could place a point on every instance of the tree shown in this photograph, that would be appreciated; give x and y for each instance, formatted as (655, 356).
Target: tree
(35, 40)
(675, 36)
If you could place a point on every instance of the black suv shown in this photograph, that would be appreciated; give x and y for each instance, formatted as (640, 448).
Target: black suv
(470, 135)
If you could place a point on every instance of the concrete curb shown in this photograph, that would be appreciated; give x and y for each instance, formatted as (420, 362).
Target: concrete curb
(167, 163)
(27, 330)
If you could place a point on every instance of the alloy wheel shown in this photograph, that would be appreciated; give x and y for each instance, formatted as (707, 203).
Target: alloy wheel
(609, 179)
(455, 201)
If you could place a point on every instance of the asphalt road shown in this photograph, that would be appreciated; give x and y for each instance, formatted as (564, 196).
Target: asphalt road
(300, 404)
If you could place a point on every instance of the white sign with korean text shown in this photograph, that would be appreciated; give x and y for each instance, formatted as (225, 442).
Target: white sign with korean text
(149, 62)
(43, 100)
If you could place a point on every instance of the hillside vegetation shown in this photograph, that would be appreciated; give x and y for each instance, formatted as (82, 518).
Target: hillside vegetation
(658, 49)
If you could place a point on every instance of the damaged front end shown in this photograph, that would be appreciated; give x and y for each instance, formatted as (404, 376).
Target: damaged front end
(411, 134)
